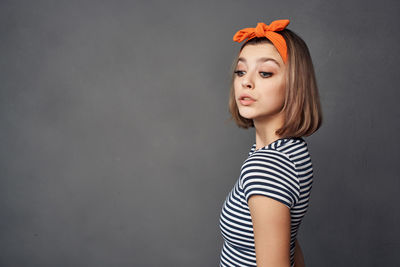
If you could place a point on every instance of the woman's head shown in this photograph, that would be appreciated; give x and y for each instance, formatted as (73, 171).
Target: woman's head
(287, 89)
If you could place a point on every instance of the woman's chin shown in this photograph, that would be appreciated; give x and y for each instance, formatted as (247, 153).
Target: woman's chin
(247, 115)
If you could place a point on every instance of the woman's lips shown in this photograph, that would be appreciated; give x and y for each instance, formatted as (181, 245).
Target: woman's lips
(246, 102)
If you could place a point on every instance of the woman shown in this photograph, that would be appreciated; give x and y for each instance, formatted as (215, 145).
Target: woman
(274, 90)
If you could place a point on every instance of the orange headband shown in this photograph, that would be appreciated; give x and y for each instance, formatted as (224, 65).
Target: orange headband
(269, 31)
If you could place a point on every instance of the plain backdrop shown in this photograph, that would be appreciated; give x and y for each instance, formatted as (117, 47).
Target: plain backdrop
(115, 139)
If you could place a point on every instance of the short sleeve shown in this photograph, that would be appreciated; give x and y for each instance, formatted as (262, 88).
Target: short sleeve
(271, 173)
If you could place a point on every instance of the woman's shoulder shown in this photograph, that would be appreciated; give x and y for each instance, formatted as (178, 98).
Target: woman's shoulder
(285, 147)
(272, 159)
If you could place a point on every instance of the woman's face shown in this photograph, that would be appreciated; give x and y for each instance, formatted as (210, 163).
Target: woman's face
(261, 75)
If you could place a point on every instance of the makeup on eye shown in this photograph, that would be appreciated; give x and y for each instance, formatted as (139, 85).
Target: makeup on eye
(264, 74)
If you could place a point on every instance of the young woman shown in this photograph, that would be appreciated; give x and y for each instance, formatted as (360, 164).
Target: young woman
(274, 90)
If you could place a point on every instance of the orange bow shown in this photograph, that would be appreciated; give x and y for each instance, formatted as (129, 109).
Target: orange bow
(269, 31)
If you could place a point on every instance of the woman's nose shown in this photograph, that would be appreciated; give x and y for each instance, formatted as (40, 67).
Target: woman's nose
(247, 83)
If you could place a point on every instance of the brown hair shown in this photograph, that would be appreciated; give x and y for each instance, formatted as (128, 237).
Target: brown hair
(303, 113)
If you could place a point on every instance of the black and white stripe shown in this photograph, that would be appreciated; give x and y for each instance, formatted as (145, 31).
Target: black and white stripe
(282, 171)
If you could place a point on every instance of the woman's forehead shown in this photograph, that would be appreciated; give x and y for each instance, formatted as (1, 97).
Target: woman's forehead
(260, 53)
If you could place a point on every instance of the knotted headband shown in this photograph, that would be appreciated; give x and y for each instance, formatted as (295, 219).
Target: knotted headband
(269, 31)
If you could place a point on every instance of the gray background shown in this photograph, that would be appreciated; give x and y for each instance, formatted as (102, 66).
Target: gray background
(116, 149)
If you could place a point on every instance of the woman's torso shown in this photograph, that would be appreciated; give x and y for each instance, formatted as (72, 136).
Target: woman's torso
(290, 163)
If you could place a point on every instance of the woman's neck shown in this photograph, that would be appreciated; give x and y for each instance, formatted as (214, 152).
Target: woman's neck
(265, 129)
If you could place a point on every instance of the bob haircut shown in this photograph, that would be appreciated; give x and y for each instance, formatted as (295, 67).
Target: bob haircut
(303, 113)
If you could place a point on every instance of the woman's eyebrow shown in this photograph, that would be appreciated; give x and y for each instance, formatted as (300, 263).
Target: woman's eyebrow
(261, 59)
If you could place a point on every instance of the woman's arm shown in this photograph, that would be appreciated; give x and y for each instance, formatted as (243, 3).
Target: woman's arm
(271, 227)
(298, 256)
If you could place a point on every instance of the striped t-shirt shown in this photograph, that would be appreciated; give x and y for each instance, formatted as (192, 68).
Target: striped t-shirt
(282, 171)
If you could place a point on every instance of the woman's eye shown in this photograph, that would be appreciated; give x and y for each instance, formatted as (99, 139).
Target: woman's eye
(265, 74)
(238, 72)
